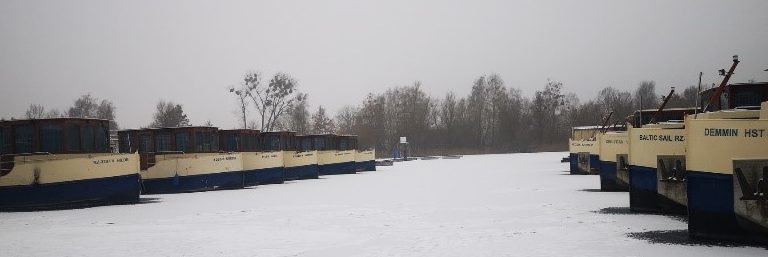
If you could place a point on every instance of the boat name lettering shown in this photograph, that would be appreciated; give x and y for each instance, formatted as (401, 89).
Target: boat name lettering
(663, 138)
(228, 158)
(721, 132)
(107, 161)
(614, 141)
(755, 133)
(268, 156)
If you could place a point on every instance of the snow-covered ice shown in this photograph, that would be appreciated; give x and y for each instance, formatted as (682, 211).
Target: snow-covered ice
(488, 205)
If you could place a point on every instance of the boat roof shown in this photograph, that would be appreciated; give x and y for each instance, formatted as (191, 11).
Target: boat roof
(764, 83)
(669, 109)
(240, 130)
(597, 127)
(729, 114)
(163, 128)
(54, 119)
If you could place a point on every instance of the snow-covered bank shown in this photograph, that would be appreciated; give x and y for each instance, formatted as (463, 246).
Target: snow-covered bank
(488, 205)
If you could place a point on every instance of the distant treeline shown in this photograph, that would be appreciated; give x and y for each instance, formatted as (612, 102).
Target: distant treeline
(493, 118)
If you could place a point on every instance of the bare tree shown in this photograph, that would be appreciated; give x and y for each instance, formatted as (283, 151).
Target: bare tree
(646, 95)
(106, 110)
(169, 114)
(297, 117)
(613, 100)
(84, 107)
(345, 119)
(88, 106)
(274, 99)
(55, 113)
(690, 95)
(321, 123)
(35, 111)
(242, 93)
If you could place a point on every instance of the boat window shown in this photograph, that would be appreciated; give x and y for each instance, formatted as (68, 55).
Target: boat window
(248, 143)
(88, 139)
(73, 138)
(289, 143)
(306, 144)
(125, 143)
(203, 142)
(52, 138)
(182, 142)
(5, 143)
(23, 139)
(319, 143)
(145, 144)
(214, 142)
(724, 103)
(272, 142)
(163, 143)
(230, 142)
(102, 141)
(256, 143)
(746, 98)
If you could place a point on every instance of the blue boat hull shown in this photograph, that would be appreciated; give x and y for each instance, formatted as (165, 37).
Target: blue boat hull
(711, 213)
(609, 180)
(365, 166)
(643, 193)
(274, 175)
(573, 159)
(337, 168)
(100, 191)
(302, 172)
(594, 163)
(194, 183)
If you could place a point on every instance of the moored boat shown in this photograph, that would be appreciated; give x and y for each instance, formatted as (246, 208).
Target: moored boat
(584, 149)
(657, 159)
(727, 173)
(346, 151)
(299, 163)
(614, 147)
(182, 159)
(259, 166)
(332, 161)
(62, 163)
(365, 159)
(646, 143)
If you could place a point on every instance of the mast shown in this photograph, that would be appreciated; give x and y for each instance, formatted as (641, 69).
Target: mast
(715, 97)
(663, 104)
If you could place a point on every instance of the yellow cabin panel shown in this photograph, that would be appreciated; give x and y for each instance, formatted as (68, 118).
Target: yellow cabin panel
(365, 155)
(714, 144)
(262, 160)
(297, 159)
(646, 143)
(613, 143)
(169, 165)
(69, 167)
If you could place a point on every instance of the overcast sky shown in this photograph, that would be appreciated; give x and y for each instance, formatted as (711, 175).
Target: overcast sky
(135, 53)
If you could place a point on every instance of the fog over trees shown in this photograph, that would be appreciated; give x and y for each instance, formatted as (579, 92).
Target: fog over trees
(86, 106)
(493, 118)
(169, 114)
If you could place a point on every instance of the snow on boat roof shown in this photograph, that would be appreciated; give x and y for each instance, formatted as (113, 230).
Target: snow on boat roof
(597, 127)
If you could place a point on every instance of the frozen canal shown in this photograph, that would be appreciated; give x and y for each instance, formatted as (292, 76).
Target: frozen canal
(491, 205)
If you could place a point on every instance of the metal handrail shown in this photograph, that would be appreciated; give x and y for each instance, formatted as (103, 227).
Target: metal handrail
(28, 154)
